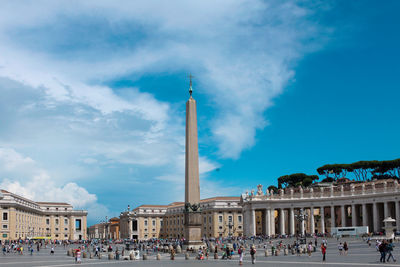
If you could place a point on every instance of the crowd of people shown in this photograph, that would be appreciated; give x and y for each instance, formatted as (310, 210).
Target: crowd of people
(219, 248)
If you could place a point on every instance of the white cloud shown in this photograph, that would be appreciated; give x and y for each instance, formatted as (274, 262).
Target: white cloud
(40, 186)
(57, 59)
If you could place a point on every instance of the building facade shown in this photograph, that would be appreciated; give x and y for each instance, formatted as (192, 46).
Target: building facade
(326, 206)
(22, 218)
(221, 217)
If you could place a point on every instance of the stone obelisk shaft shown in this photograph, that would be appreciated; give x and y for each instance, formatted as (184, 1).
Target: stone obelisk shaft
(192, 185)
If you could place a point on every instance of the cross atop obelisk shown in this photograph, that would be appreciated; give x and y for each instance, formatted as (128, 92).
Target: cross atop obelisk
(190, 84)
(192, 185)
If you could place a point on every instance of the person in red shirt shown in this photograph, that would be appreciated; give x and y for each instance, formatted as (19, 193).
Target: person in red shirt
(323, 250)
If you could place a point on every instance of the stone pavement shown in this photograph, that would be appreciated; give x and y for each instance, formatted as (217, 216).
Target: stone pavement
(359, 255)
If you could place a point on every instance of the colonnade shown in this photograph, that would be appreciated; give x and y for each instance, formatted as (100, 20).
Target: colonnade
(365, 204)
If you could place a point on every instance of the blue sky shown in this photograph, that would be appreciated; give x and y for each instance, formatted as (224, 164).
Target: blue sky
(93, 95)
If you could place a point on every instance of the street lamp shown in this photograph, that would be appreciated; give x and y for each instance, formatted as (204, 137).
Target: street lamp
(230, 226)
(301, 217)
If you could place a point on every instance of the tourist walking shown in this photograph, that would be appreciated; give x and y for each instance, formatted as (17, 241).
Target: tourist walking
(241, 253)
(309, 248)
(253, 254)
(345, 248)
(323, 251)
(78, 256)
(389, 250)
(382, 249)
(340, 248)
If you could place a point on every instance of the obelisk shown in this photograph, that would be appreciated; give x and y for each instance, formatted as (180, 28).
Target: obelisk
(192, 184)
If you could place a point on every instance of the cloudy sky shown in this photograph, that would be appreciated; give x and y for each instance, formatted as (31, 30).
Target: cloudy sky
(92, 105)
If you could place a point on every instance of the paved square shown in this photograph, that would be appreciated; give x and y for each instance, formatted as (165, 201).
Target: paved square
(359, 255)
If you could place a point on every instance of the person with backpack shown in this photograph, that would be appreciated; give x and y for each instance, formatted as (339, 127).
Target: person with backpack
(253, 254)
(389, 250)
(241, 253)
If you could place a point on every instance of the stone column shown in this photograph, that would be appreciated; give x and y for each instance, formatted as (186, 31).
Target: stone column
(253, 222)
(282, 221)
(375, 216)
(333, 224)
(365, 216)
(396, 205)
(343, 215)
(272, 221)
(312, 223)
(353, 215)
(268, 222)
(130, 230)
(322, 214)
(385, 209)
(292, 231)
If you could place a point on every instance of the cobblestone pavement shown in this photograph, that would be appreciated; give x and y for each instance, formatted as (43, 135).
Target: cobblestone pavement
(359, 255)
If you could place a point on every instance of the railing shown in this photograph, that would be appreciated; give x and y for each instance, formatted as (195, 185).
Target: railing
(367, 188)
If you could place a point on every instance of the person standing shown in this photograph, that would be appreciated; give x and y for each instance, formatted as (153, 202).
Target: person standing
(323, 251)
(253, 254)
(241, 253)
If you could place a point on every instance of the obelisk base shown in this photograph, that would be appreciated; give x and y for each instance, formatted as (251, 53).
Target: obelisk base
(193, 230)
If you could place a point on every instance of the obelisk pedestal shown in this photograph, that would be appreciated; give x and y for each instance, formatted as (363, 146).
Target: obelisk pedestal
(192, 185)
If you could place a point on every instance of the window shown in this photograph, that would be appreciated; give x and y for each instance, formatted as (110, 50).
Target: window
(240, 218)
(220, 218)
(205, 220)
(230, 219)
(56, 221)
(66, 229)
(209, 219)
(47, 221)
(65, 235)
(220, 228)
(78, 224)
(145, 222)
(145, 230)
(56, 229)
(5, 216)
(5, 235)
(240, 227)
(5, 226)
(154, 222)
(65, 221)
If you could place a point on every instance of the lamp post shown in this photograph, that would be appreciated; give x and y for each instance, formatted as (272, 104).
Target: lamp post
(106, 228)
(301, 217)
(230, 226)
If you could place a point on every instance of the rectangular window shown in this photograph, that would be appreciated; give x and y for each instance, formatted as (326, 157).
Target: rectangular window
(5, 235)
(220, 218)
(78, 224)
(65, 221)
(205, 220)
(5, 216)
(5, 226)
(47, 221)
(230, 219)
(240, 218)
(154, 222)
(145, 222)
(56, 221)
(209, 219)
